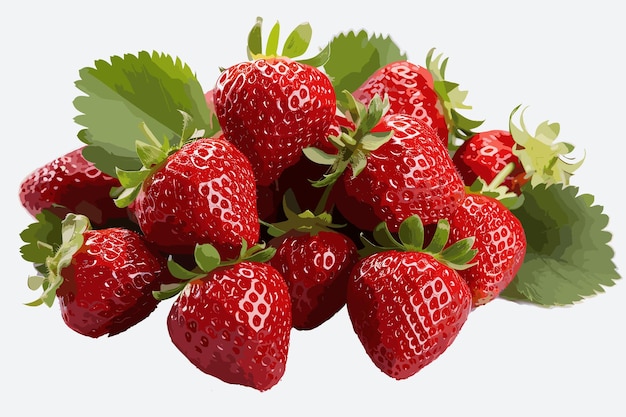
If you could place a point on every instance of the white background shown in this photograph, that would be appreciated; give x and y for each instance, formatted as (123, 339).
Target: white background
(565, 62)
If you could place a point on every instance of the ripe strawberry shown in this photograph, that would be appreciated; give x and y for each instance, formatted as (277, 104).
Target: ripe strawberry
(412, 173)
(233, 320)
(71, 184)
(273, 106)
(203, 192)
(411, 90)
(485, 155)
(407, 303)
(103, 278)
(500, 242)
(315, 261)
(423, 92)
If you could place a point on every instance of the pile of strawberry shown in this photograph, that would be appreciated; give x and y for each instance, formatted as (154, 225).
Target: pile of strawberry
(290, 190)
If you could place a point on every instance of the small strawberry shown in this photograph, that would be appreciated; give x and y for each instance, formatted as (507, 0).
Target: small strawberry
(231, 319)
(200, 192)
(103, 278)
(499, 240)
(422, 92)
(315, 261)
(487, 153)
(72, 184)
(408, 303)
(273, 106)
(536, 158)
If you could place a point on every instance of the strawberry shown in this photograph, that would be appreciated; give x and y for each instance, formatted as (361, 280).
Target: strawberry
(410, 89)
(411, 173)
(315, 261)
(103, 279)
(535, 158)
(200, 192)
(272, 107)
(72, 184)
(423, 92)
(487, 153)
(500, 242)
(408, 303)
(231, 320)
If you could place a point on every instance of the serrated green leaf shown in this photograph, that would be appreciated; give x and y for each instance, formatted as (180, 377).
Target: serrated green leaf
(568, 257)
(129, 90)
(354, 57)
(46, 228)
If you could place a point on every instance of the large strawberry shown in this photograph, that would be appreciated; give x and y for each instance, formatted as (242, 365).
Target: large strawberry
(408, 303)
(71, 184)
(201, 192)
(423, 92)
(499, 239)
(315, 261)
(273, 106)
(103, 278)
(232, 320)
(411, 173)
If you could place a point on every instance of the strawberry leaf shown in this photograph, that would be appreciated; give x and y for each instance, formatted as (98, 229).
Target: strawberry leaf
(42, 237)
(568, 257)
(122, 94)
(354, 57)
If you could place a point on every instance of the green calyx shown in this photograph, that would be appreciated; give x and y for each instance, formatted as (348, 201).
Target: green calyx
(353, 145)
(208, 259)
(452, 99)
(151, 154)
(298, 221)
(410, 238)
(296, 45)
(72, 229)
(496, 189)
(543, 159)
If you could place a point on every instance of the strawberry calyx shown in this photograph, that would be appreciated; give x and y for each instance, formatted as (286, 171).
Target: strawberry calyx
(152, 155)
(544, 160)
(297, 43)
(355, 142)
(72, 229)
(208, 259)
(496, 188)
(452, 100)
(298, 221)
(411, 238)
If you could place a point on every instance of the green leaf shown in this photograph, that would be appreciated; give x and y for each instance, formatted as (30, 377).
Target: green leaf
(206, 257)
(45, 229)
(355, 57)
(568, 257)
(255, 39)
(411, 233)
(120, 95)
(272, 40)
(298, 41)
(318, 156)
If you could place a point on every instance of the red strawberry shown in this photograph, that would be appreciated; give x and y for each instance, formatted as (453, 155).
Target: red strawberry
(273, 106)
(203, 192)
(424, 93)
(500, 242)
(410, 89)
(412, 173)
(485, 155)
(315, 261)
(71, 184)
(406, 303)
(103, 278)
(232, 321)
